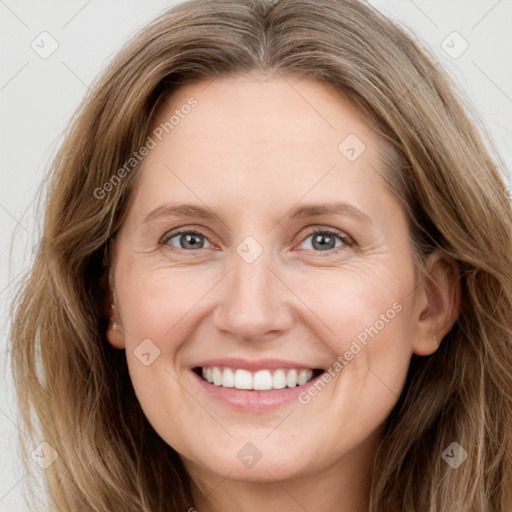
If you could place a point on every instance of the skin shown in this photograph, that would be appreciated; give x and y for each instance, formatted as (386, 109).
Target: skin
(253, 149)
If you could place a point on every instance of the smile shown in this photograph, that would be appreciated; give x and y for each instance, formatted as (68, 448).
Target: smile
(261, 380)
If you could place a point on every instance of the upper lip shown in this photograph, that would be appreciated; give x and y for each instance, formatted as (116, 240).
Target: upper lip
(253, 364)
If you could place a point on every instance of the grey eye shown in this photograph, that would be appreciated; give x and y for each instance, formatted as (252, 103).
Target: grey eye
(323, 241)
(188, 240)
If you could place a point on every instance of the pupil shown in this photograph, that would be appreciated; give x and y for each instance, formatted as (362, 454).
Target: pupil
(322, 241)
(189, 241)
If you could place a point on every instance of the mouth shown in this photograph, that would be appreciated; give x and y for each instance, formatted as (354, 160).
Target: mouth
(261, 380)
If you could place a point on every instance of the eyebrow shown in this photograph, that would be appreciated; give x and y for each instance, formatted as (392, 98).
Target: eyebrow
(314, 210)
(301, 212)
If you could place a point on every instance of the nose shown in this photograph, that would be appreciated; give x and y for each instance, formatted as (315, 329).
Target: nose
(254, 303)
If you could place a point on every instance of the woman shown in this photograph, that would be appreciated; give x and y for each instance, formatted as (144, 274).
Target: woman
(276, 273)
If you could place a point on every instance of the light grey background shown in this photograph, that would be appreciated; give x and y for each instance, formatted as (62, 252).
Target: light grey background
(38, 96)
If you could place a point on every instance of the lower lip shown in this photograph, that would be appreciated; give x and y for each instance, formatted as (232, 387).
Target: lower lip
(254, 401)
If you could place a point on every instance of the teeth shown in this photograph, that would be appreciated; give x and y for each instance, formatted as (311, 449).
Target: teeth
(279, 379)
(291, 378)
(228, 378)
(217, 377)
(243, 379)
(303, 377)
(262, 380)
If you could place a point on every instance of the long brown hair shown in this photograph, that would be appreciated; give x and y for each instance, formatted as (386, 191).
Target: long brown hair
(74, 389)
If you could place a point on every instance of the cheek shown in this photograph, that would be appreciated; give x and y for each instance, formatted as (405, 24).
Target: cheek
(359, 305)
(163, 310)
(361, 314)
(368, 317)
(155, 301)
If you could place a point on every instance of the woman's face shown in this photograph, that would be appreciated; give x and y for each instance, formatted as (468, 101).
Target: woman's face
(293, 257)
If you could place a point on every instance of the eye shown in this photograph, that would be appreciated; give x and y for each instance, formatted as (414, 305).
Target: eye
(327, 240)
(186, 240)
(322, 240)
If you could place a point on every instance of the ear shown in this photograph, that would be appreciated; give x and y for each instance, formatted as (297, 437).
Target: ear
(439, 300)
(115, 331)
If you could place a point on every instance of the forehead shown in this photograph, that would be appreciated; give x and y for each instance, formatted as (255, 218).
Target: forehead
(259, 137)
(261, 109)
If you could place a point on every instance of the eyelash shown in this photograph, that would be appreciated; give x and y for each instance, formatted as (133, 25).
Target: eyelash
(347, 240)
